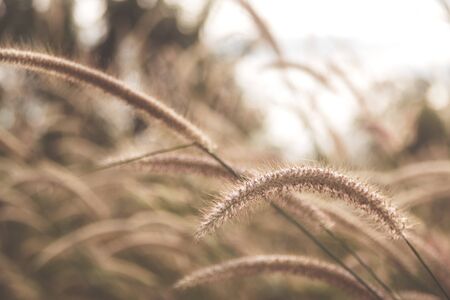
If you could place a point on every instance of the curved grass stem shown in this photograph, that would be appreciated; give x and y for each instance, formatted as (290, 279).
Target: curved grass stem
(325, 250)
(298, 225)
(347, 248)
(136, 158)
(422, 262)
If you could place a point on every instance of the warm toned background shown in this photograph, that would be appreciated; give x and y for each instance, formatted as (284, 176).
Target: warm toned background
(357, 86)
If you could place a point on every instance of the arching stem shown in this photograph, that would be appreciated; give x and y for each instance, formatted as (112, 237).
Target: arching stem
(422, 262)
(296, 224)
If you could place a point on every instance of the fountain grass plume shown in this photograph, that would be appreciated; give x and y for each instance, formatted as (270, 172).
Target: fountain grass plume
(52, 65)
(303, 179)
(284, 264)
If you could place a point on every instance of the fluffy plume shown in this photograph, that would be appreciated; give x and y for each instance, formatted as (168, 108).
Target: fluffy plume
(285, 264)
(303, 179)
(73, 71)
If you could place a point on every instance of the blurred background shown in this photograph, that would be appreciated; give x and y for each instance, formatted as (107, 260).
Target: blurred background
(361, 85)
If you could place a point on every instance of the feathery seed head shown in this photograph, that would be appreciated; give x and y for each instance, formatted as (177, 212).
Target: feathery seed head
(303, 179)
(285, 264)
(69, 70)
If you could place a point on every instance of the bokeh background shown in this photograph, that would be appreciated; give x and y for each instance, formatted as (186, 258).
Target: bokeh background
(358, 85)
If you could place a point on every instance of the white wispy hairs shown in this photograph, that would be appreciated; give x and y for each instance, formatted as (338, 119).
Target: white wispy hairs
(303, 179)
(284, 264)
(70, 70)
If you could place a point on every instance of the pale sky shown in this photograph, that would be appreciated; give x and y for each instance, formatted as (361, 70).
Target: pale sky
(373, 38)
(389, 37)
(381, 21)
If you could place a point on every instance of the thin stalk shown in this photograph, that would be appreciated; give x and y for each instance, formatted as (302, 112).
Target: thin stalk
(133, 159)
(295, 223)
(419, 257)
(219, 160)
(324, 249)
(361, 262)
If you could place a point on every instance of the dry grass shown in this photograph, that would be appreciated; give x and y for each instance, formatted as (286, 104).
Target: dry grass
(76, 225)
(296, 265)
(303, 179)
(70, 70)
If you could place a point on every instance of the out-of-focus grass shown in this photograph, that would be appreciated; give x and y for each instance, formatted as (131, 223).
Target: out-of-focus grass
(48, 124)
